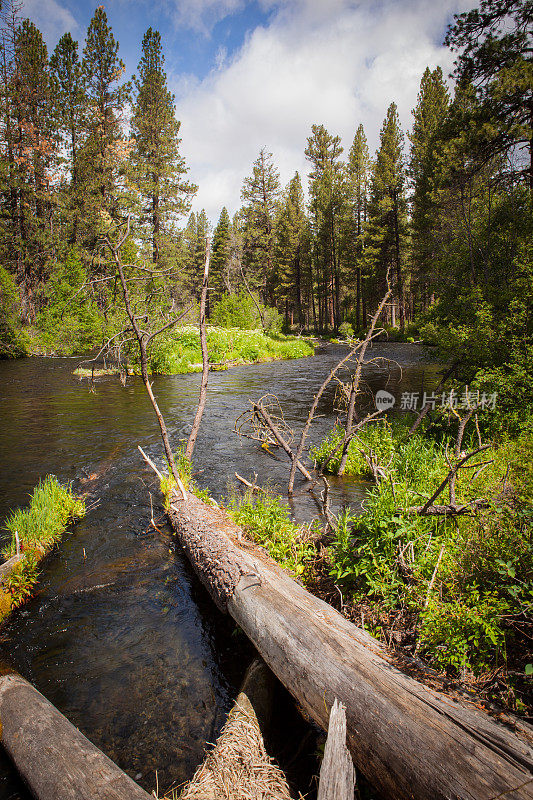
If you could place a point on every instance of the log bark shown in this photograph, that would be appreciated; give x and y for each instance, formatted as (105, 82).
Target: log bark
(8, 565)
(411, 741)
(238, 767)
(55, 760)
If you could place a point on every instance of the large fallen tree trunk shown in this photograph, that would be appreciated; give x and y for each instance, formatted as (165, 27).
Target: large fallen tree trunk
(55, 760)
(409, 740)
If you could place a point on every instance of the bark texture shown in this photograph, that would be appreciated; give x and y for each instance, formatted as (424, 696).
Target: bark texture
(55, 760)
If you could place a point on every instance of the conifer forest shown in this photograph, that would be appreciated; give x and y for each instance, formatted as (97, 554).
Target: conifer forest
(360, 511)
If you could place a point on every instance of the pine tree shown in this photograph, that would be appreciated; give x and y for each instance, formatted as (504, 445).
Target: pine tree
(220, 256)
(291, 231)
(35, 153)
(431, 110)
(157, 166)
(358, 170)
(328, 192)
(387, 213)
(260, 194)
(71, 110)
(105, 150)
(496, 57)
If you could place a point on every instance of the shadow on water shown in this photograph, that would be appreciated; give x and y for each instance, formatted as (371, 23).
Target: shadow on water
(121, 637)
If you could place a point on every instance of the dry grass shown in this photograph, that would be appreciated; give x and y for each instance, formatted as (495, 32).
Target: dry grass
(238, 767)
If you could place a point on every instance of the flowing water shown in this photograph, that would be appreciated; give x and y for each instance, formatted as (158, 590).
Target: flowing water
(120, 636)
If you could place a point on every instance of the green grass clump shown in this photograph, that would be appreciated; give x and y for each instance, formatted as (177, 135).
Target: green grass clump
(481, 565)
(267, 520)
(39, 528)
(180, 351)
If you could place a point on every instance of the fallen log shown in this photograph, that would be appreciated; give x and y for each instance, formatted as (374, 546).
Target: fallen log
(8, 565)
(238, 767)
(55, 760)
(409, 740)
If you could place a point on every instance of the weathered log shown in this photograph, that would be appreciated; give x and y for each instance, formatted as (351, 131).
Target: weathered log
(337, 775)
(411, 741)
(8, 565)
(55, 760)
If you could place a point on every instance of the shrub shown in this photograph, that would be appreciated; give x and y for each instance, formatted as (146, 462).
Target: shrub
(267, 520)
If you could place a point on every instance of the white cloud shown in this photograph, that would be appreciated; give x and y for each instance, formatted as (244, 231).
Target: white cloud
(52, 19)
(334, 63)
(201, 15)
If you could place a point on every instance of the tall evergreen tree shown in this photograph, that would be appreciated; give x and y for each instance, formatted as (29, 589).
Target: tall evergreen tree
(495, 48)
(431, 110)
(71, 111)
(158, 169)
(220, 256)
(35, 149)
(260, 195)
(105, 150)
(387, 212)
(291, 231)
(358, 170)
(327, 190)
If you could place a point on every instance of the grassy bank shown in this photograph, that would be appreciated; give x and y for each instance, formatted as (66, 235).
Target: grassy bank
(457, 590)
(39, 528)
(180, 352)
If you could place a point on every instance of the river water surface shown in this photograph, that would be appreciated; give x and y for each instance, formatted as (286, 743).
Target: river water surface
(120, 636)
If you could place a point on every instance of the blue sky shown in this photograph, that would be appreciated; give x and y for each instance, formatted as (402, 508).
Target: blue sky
(253, 74)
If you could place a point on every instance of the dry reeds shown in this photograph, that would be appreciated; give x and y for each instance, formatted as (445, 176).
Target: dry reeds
(238, 767)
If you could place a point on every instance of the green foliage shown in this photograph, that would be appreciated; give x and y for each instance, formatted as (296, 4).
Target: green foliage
(12, 343)
(184, 469)
(267, 520)
(69, 322)
(481, 567)
(236, 311)
(346, 331)
(39, 528)
(41, 525)
(180, 352)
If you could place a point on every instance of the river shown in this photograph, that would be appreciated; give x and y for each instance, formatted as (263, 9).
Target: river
(120, 636)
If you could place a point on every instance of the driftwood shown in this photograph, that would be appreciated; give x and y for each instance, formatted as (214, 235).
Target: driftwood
(337, 775)
(238, 767)
(411, 741)
(8, 565)
(55, 760)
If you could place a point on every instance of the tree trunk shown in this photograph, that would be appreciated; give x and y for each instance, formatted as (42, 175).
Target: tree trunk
(54, 759)
(409, 740)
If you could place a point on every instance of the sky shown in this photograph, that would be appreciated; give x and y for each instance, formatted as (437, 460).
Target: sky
(248, 75)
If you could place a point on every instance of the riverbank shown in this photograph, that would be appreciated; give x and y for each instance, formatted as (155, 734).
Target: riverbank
(34, 532)
(442, 574)
(179, 352)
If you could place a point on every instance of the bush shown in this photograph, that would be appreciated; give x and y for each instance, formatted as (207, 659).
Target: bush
(345, 330)
(70, 323)
(12, 342)
(267, 520)
(481, 567)
(236, 311)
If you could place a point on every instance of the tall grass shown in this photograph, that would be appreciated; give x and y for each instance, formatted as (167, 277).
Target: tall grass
(38, 528)
(180, 351)
(267, 521)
